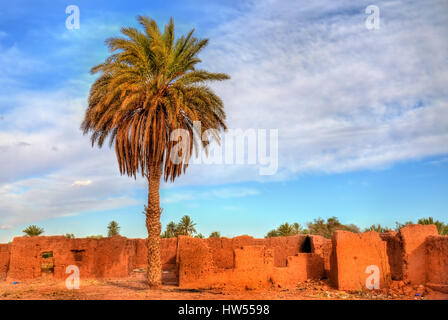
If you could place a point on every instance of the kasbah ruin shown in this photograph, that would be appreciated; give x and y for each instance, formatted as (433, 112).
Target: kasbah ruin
(415, 259)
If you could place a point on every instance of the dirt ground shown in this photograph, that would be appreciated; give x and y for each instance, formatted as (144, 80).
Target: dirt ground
(136, 289)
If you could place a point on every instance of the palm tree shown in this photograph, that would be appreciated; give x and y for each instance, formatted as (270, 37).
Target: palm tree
(297, 228)
(215, 234)
(33, 231)
(113, 229)
(147, 88)
(272, 233)
(186, 226)
(170, 231)
(285, 230)
(378, 228)
(442, 228)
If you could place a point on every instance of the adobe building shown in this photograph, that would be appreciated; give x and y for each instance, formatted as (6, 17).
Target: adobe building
(415, 255)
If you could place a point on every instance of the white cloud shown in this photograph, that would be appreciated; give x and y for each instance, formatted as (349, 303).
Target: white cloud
(82, 183)
(343, 98)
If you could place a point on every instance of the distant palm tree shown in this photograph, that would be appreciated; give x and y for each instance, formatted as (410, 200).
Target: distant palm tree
(377, 228)
(285, 230)
(215, 234)
(297, 228)
(442, 228)
(148, 88)
(186, 226)
(113, 229)
(33, 231)
(272, 233)
(170, 231)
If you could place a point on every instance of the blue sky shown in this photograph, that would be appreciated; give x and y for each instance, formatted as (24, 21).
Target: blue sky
(362, 115)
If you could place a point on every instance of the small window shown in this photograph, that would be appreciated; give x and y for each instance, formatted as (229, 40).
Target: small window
(47, 263)
(48, 254)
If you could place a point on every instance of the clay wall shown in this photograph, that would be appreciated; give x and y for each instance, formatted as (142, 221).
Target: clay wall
(4, 260)
(245, 262)
(394, 253)
(415, 254)
(168, 251)
(437, 261)
(351, 255)
(95, 258)
(413, 238)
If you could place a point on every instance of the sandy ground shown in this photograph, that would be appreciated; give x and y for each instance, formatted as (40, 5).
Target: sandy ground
(136, 289)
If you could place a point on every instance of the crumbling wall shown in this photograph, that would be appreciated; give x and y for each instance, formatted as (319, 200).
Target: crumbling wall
(283, 247)
(168, 251)
(413, 238)
(222, 249)
(300, 267)
(415, 254)
(245, 262)
(4, 260)
(141, 253)
(322, 247)
(352, 254)
(437, 261)
(195, 262)
(95, 258)
(394, 253)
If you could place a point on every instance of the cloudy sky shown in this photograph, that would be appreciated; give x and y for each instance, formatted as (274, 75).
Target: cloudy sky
(362, 115)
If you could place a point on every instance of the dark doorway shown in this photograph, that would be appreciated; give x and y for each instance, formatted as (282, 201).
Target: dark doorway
(306, 246)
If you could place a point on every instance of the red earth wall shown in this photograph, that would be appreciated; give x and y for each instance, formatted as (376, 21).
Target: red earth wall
(96, 258)
(168, 251)
(394, 253)
(4, 260)
(415, 254)
(413, 238)
(322, 247)
(245, 262)
(437, 262)
(352, 254)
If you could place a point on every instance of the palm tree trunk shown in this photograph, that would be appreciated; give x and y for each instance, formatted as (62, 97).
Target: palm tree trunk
(153, 225)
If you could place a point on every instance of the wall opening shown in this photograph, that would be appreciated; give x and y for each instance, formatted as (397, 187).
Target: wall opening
(306, 246)
(78, 255)
(47, 263)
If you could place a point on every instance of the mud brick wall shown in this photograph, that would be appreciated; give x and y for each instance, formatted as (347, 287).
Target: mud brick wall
(322, 247)
(415, 254)
(437, 260)
(4, 260)
(394, 253)
(352, 253)
(245, 262)
(168, 251)
(300, 267)
(195, 262)
(95, 258)
(413, 238)
(283, 247)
